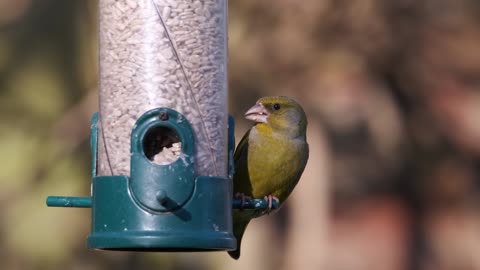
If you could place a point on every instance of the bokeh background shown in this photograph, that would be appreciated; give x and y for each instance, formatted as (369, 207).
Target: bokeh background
(392, 93)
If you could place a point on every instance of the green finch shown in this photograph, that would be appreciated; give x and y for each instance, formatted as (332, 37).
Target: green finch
(270, 158)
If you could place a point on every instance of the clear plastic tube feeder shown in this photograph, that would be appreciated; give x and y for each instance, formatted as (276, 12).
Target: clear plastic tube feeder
(163, 53)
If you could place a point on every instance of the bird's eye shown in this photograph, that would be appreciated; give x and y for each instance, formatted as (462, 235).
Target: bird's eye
(276, 106)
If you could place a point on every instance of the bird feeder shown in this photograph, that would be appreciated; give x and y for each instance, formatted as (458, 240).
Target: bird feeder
(162, 143)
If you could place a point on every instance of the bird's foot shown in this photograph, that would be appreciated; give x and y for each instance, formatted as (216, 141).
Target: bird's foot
(270, 199)
(242, 198)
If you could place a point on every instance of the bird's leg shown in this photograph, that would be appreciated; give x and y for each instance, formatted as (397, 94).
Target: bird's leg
(270, 198)
(242, 198)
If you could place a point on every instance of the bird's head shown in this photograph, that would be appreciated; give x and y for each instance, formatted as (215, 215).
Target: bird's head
(280, 114)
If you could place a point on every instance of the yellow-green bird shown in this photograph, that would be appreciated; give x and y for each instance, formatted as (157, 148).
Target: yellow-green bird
(270, 158)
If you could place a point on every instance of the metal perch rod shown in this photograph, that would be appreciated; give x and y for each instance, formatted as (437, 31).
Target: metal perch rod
(86, 202)
(62, 201)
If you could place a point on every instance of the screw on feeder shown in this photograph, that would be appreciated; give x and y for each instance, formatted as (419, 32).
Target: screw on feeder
(163, 116)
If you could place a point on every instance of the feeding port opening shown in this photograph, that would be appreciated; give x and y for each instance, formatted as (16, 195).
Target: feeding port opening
(162, 145)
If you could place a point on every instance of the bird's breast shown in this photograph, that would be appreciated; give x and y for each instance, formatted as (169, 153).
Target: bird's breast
(280, 161)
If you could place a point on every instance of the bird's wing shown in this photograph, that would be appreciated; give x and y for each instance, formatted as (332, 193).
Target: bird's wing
(241, 147)
(241, 179)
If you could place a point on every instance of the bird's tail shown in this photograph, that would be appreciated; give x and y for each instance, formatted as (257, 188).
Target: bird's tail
(238, 230)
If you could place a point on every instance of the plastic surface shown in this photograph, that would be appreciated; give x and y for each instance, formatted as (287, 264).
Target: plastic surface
(231, 146)
(163, 53)
(62, 201)
(94, 142)
(162, 187)
(162, 207)
(203, 223)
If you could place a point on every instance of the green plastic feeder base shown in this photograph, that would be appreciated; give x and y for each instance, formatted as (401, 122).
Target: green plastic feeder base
(158, 242)
(119, 223)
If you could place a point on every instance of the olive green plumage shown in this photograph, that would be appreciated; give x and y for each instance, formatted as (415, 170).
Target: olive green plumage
(271, 156)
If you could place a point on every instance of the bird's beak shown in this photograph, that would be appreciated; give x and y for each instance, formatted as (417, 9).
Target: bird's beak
(257, 113)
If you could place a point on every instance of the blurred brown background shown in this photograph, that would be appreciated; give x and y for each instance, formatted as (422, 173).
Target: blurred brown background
(392, 92)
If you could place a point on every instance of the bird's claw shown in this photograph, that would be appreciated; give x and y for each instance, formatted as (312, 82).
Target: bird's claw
(242, 198)
(270, 199)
